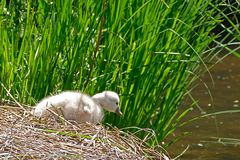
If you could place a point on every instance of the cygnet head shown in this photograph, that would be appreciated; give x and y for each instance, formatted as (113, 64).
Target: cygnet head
(108, 100)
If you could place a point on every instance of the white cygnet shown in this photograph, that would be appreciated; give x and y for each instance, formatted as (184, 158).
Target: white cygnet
(78, 106)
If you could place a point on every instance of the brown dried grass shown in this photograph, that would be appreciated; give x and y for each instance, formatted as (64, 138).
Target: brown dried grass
(22, 136)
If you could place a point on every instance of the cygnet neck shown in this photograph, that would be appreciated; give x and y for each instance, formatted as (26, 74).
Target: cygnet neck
(99, 98)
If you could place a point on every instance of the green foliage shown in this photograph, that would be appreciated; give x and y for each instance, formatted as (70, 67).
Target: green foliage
(148, 51)
(229, 27)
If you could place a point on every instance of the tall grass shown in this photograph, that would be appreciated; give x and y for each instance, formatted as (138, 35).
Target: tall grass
(148, 51)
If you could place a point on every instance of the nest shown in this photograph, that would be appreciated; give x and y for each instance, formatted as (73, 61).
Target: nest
(23, 136)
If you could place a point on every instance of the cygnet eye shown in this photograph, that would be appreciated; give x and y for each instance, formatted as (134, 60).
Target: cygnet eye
(117, 103)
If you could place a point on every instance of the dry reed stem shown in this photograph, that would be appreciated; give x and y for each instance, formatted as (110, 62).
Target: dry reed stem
(23, 136)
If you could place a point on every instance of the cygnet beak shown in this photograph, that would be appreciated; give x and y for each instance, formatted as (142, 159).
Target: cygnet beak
(118, 112)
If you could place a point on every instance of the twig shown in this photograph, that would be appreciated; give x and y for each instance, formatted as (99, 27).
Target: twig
(13, 97)
(185, 150)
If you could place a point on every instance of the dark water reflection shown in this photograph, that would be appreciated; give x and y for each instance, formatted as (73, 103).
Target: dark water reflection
(226, 96)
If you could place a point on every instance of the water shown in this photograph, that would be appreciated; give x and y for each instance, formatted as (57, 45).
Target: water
(226, 96)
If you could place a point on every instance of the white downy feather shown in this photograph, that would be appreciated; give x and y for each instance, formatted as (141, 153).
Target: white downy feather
(78, 106)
